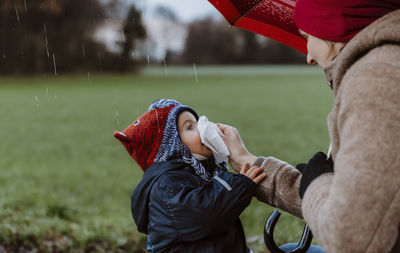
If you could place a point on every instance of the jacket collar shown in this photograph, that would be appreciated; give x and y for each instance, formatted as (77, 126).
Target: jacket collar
(385, 30)
(141, 194)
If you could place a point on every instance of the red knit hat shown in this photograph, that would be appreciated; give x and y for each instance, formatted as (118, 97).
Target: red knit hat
(154, 136)
(339, 20)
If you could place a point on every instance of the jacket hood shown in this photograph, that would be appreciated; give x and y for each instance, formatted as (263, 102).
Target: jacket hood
(141, 195)
(385, 30)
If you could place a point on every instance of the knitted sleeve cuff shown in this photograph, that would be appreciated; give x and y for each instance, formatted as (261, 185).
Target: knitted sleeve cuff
(259, 161)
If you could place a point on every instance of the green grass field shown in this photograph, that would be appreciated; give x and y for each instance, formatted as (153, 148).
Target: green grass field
(65, 182)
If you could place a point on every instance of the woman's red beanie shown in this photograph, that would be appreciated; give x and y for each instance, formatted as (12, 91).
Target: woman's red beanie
(339, 20)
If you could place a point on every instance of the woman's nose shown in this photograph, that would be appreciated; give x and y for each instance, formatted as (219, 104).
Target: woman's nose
(310, 60)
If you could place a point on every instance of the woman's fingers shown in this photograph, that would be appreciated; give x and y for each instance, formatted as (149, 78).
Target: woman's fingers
(223, 127)
(238, 152)
(226, 131)
(231, 137)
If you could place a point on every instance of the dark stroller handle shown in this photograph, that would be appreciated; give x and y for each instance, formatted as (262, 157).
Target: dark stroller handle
(301, 247)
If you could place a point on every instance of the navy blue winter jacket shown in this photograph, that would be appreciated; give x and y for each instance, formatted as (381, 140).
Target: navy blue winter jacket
(181, 212)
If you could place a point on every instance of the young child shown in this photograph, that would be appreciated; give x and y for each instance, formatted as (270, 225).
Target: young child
(184, 202)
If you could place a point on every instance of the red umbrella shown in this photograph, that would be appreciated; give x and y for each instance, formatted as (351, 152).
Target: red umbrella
(271, 18)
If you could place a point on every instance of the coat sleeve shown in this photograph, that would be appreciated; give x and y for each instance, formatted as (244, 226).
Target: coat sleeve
(349, 211)
(211, 208)
(281, 186)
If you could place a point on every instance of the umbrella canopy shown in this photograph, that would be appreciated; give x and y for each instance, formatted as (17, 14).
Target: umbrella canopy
(271, 18)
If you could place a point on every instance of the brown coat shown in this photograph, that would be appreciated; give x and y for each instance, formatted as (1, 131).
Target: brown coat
(358, 208)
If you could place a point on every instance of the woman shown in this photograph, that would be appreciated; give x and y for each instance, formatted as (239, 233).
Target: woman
(351, 201)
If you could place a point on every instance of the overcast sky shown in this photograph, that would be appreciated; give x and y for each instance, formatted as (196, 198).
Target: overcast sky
(186, 10)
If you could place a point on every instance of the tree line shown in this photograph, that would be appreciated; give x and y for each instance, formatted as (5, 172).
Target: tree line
(57, 36)
(50, 36)
(213, 42)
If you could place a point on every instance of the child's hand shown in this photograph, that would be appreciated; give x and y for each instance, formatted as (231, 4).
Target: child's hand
(253, 173)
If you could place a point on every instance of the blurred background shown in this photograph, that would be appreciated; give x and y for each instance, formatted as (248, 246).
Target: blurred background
(52, 37)
(74, 71)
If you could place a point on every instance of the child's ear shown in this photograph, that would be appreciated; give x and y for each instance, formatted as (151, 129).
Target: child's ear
(121, 137)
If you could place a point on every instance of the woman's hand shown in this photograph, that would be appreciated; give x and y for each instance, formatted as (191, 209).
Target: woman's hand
(253, 173)
(239, 154)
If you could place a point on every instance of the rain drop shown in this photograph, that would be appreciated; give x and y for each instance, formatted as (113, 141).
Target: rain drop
(148, 60)
(26, 10)
(117, 115)
(47, 41)
(158, 125)
(54, 64)
(195, 72)
(89, 78)
(36, 101)
(55, 97)
(47, 90)
(165, 68)
(123, 36)
(83, 52)
(16, 11)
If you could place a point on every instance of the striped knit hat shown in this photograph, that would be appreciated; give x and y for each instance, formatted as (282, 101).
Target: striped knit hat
(154, 137)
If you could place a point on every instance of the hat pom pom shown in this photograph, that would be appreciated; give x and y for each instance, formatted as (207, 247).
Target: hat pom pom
(162, 103)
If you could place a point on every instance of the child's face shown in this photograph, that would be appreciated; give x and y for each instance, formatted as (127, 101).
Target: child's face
(190, 136)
